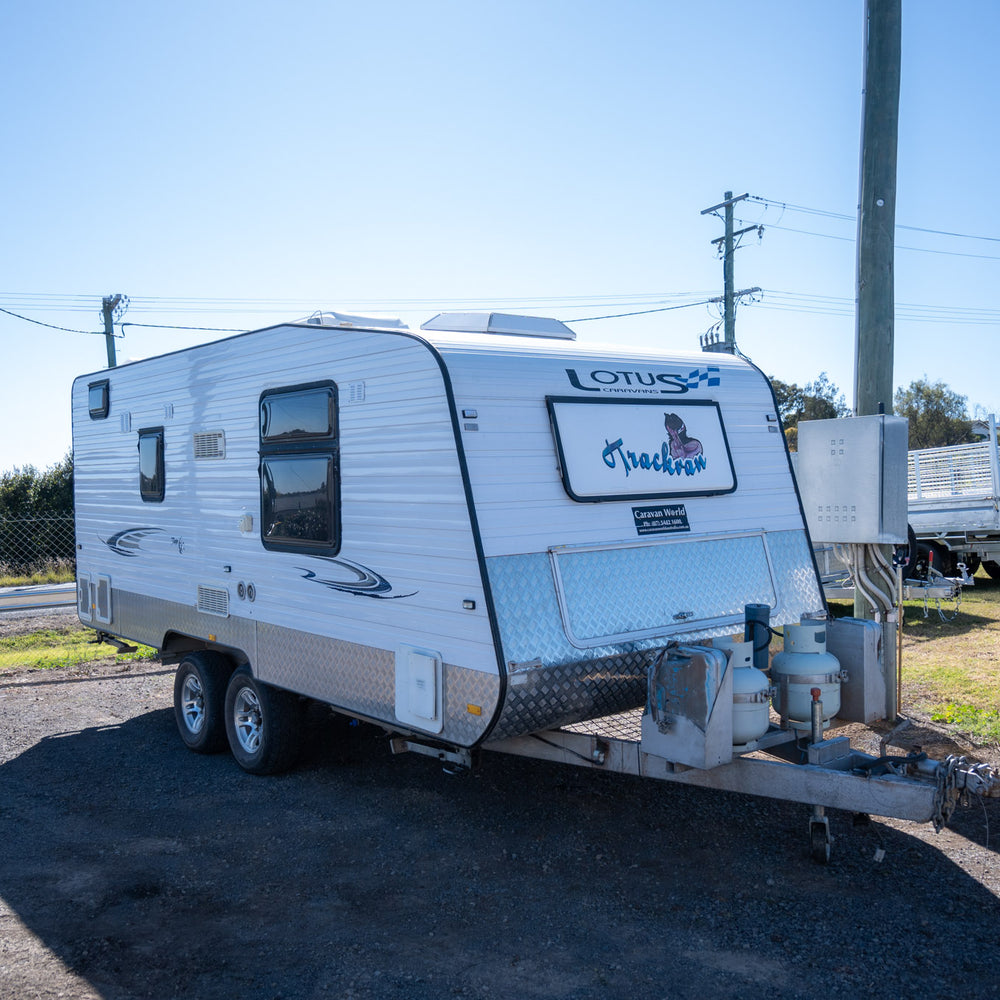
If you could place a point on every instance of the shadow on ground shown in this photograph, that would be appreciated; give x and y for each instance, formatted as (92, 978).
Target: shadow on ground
(153, 872)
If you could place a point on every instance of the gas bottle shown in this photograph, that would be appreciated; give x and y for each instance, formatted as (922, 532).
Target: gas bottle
(803, 665)
(751, 691)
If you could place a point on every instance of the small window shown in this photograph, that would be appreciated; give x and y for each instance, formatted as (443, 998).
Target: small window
(151, 478)
(303, 415)
(299, 484)
(99, 399)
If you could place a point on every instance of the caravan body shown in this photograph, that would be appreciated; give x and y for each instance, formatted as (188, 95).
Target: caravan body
(462, 535)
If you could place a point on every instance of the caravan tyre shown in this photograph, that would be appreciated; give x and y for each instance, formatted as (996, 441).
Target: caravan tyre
(263, 724)
(199, 699)
(993, 568)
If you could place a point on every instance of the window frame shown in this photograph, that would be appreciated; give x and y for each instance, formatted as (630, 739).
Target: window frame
(99, 412)
(147, 494)
(307, 446)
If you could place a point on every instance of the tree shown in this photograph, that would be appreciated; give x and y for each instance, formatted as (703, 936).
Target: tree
(29, 493)
(818, 400)
(937, 414)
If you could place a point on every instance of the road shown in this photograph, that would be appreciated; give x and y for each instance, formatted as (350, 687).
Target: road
(52, 595)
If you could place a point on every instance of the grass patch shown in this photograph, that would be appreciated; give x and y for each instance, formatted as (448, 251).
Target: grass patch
(982, 725)
(65, 647)
(48, 571)
(951, 668)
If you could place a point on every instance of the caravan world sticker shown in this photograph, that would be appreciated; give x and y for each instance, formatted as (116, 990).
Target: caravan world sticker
(610, 450)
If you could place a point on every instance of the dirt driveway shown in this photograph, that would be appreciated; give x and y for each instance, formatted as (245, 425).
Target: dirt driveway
(131, 867)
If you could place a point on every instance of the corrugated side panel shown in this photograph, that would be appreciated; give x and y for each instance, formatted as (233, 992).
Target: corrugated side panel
(408, 558)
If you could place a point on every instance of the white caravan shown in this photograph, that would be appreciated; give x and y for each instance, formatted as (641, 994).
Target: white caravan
(466, 533)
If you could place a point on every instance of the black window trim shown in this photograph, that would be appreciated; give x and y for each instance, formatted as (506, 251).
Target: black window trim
(151, 496)
(312, 446)
(101, 412)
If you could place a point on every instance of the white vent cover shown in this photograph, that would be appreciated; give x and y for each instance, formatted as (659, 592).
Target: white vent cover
(102, 600)
(500, 323)
(213, 600)
(84, 599)
(210, 444)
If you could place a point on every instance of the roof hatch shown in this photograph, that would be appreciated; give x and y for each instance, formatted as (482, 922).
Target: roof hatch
(495, 322)
(346, 319)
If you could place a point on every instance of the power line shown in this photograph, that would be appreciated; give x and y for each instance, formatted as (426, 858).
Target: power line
(783, 205)
(51, 326)
(851, 239)
(643, 312)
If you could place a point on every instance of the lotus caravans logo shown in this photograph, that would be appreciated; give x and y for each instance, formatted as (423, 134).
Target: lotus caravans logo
(648, 383)
(679, 455)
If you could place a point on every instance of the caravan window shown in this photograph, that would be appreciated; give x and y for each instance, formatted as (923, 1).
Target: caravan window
(296, 508)
(98, 399)
(299, 484)
(302, 415)
(152, 486)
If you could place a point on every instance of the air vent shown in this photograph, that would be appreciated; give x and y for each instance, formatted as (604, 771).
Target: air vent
(210, 444)
(356, 392)
(213, 601)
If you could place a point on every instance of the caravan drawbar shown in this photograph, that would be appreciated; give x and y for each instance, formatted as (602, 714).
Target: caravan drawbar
(469, 534)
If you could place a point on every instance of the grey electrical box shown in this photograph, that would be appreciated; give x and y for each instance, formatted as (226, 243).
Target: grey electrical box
(851, 474)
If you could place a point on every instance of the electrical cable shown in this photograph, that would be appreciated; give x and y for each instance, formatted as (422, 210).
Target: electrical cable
(786, 206)
(171, 326)
(642, 312)
(51, 326)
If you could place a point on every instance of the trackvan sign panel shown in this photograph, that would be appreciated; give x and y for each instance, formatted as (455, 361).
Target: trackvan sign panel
(640, 449)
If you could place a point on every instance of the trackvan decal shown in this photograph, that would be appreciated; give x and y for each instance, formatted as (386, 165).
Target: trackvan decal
(682, 456)
(641, 449)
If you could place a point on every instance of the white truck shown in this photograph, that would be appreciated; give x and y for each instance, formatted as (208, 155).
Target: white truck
(478, 535)
(954, 505)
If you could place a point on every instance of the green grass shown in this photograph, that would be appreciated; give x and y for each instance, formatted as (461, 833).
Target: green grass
(951, 669)
(64, 647)
(50, 571)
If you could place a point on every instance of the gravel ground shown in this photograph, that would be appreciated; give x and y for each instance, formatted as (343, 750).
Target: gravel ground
(133, 868)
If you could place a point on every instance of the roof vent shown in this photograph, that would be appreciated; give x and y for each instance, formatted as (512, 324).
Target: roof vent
(362, 322)
(505, 323)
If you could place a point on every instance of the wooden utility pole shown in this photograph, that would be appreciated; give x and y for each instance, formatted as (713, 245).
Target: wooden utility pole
(728, 345)
(108, 305)
(874, 328)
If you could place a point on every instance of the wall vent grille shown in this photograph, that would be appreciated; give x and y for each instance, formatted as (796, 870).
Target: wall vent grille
(213, 601)
(210, 444)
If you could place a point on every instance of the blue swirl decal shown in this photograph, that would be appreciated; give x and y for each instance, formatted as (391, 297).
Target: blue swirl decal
(364, 582)
(128, 542)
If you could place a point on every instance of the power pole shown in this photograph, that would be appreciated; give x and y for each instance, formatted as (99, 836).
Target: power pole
(728, 344)
(108, 306)
(874, 328)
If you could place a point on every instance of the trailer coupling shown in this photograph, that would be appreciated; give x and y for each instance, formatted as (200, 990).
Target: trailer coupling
(957, 779)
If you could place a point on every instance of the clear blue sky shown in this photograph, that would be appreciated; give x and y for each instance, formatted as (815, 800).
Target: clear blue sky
(235, 164)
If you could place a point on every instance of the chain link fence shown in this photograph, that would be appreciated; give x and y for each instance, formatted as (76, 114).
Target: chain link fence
(36, 545)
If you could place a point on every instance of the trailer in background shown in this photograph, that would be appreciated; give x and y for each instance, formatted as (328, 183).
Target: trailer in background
(954, 506)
